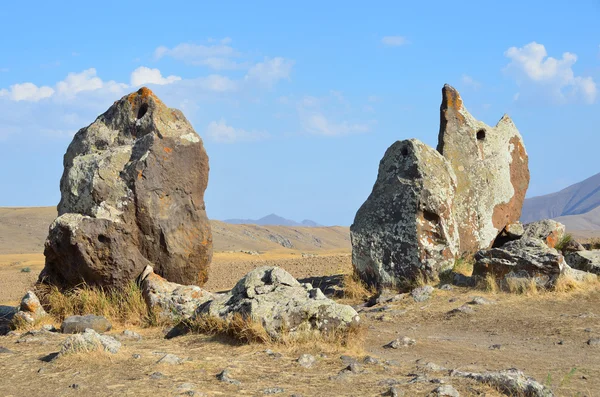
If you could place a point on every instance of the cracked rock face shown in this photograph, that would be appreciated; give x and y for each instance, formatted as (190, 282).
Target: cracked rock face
(428, 207)
(132, 195)
(491, 168)
(406, 227)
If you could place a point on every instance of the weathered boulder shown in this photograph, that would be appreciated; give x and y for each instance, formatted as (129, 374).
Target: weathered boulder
(512, 382)
(526, 256)
(78, 324)
(588, 261)
(170, 300)
(491, 168)
(132, 195)
(406, 228)
(30, 309)
(89, 341)
(547, 230)
(271, 296)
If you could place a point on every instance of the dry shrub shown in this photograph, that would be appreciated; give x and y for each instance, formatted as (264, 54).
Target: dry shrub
(245, 330)
(355, 289)
(489, 284)
(567, 283)
(124, 306)
(521, 285)
(239, 328)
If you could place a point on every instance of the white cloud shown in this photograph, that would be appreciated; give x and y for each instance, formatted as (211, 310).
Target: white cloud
(270, 71)
(144, 75)
(219, 56)
(325, 116)
(219, 131)
(27, 92)
(87, 80)
(318, 124)
(394, 41)
(535, 71)
(470, 82)
(217, 83)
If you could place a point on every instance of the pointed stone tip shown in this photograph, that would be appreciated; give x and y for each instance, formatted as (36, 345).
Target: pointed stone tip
(450, 98)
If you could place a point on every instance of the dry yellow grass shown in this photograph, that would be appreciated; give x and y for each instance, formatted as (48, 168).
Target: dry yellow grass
(125, 306)
(355, 289)
(246, 330)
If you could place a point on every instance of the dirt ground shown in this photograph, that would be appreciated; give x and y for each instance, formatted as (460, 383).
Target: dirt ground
(543, 335)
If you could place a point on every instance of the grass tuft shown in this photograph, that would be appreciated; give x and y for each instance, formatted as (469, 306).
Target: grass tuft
(354, 288)
(246, 330)
(567, 283)
(124, 306)
(562, 243)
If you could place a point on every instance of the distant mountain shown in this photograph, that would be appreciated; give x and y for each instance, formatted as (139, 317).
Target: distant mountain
(576, 206)
(273, 220)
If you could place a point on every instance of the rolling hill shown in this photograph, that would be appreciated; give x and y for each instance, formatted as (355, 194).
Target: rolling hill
(24, 230)
(272, 220)
(577, 206)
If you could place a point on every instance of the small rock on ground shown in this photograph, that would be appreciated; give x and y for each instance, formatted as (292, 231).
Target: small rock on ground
(224, 376)
(156, 375)
(273, 390)
(170, 359)
(89, 341)
(478, 300)
(594, 342)
(446, 391)
(421, 294)
(401, 342)
(306, 360)
(4, 350)
(464, 309)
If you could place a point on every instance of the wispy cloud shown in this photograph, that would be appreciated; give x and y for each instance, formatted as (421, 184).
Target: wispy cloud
(144, 75)
(219, 56)
(469, 81)
(394, 41)
(270, 71)
(537, 73)
(221, 132)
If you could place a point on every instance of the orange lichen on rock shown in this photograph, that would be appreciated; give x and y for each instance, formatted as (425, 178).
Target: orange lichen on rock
(167, 149)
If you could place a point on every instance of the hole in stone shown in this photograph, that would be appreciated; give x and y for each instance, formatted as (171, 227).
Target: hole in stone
(142, 111)
(103, 239)
(404, 151)
(481, 135)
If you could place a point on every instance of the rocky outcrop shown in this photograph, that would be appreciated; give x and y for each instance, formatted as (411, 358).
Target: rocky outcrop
(588, 261)
(526, 257)
(406, 228)
(547, 230)
(427, 207)
(170, 300)
(30, 309)
(132, 195)
(271, 296)
(491, 168)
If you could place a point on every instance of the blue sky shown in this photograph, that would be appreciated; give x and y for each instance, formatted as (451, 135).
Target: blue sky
(297, 103)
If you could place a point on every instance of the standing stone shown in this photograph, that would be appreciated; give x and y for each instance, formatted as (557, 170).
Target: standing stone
(132, 195)
(406, 228)
(491, 167)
